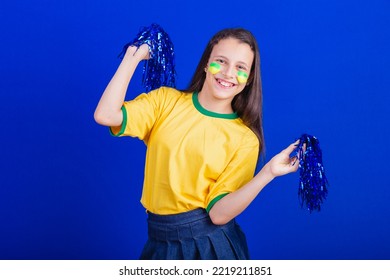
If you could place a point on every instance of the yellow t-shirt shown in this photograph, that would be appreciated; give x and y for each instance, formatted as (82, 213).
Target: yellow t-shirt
(194, 156)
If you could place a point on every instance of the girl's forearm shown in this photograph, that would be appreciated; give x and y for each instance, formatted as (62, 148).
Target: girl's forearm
(234, 203)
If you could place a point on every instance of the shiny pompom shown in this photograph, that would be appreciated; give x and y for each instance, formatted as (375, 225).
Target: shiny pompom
(159, 69)
(313, 182)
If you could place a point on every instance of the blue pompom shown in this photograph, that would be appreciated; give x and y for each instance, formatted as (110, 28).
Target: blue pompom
(159, 70)
(313, 182)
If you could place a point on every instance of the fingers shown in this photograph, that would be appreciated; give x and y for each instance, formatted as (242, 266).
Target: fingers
(293, 160)
(291, 148)
(132, 49)
(141, 51)
(145, 51)
(303, 152)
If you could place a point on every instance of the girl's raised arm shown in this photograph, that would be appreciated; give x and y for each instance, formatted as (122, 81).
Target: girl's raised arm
(108, 111)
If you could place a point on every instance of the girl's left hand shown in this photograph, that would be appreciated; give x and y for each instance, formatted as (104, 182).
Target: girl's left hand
(282, 163)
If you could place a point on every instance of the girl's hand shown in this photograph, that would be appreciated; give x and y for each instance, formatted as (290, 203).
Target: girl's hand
(282, 163)
(141, 52)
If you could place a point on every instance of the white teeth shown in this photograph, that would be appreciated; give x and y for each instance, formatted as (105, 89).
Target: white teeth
(225, 84)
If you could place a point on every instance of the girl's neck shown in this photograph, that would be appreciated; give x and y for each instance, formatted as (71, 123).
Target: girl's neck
(215, 105)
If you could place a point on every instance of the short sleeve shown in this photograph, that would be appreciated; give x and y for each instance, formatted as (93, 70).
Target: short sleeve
(139, 115)
(238, 172)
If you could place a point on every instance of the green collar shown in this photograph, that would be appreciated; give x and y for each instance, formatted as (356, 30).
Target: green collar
(205, 112)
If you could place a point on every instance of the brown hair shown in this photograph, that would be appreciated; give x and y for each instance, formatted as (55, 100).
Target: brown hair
(248, 103)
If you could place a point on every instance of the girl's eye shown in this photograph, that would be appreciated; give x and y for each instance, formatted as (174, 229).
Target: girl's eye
(219, 60)
(242, 68)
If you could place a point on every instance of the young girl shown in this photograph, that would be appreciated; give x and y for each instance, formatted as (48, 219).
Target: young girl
(202, 148)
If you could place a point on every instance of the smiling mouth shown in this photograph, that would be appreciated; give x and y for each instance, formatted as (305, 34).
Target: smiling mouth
(224, 83)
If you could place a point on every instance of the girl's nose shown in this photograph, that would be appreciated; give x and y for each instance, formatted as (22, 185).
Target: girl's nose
(228, 71)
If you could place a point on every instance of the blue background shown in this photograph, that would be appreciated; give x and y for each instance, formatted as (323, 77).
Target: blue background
(71, 191)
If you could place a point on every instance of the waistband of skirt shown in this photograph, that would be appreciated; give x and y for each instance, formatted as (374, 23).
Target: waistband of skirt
(180, 218)
(192, 224)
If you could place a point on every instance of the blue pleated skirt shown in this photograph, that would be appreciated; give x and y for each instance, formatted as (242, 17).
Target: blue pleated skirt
(192, 236)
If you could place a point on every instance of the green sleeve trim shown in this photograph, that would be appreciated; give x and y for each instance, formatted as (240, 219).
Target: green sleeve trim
(211, 204)
(123, 126)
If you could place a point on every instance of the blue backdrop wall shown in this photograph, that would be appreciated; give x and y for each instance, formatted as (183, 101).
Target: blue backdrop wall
(71, 191)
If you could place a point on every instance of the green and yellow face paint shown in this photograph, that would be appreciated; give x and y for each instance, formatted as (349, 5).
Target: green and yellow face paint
(214, 67)
(242, 77)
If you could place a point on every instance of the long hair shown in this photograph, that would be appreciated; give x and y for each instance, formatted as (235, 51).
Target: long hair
(248, 103)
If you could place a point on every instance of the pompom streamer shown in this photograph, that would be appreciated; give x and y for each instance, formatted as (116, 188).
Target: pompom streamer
(312, 182)
(159, 69)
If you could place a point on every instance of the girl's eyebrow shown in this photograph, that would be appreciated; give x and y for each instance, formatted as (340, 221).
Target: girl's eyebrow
(224, 57)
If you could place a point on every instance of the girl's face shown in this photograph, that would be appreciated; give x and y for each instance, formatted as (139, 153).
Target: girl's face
(231, 61)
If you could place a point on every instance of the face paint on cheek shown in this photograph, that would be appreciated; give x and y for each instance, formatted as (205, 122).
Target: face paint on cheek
(242, 77)
(214, 68)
